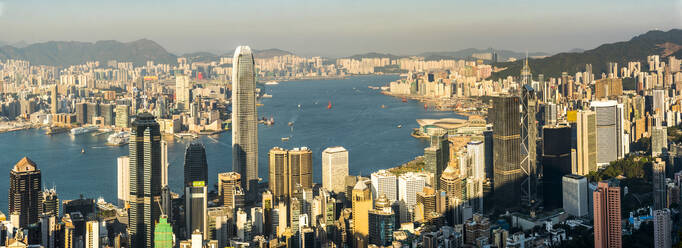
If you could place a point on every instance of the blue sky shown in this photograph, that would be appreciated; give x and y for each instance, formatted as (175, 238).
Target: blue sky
(341, 27)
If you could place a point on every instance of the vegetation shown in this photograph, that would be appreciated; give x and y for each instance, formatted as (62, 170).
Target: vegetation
(636, 49)
(640, 238)
(415, 165)
(629, 167)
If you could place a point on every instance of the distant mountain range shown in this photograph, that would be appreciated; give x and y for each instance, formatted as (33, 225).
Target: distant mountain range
(502, 55)
(62, 53)
(664, 43)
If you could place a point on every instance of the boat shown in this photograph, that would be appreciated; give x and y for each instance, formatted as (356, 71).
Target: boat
(400, 126)
(285, 138)
(82, 150)
(266, 95)
(426, 107)
(271, 83)
(118, 139)
(383, 106)
(82, 130)
(291, 123)
(404, 99)
(299, 106)
(329, 106)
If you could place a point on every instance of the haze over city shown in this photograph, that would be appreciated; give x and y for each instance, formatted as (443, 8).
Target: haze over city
(340, 28)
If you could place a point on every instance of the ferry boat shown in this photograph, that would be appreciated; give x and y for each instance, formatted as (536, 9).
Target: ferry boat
(266, 95)
(329, 106)
(118, 139)
(271, 83)
(285, 138)
(82, 130)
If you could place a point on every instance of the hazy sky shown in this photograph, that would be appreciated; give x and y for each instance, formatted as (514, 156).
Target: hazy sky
(341, 27)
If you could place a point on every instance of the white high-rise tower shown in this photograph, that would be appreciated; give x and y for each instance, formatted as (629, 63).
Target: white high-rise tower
(244, 117)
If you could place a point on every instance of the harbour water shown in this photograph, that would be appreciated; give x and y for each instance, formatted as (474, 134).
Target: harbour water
(356, 121)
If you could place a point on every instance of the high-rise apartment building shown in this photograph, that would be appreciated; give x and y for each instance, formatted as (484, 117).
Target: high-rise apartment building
(660, 188)
(607, 226)
(182, 90)
(25, 196)
(145, 180)
(334, 169)
(53, 100)
(122, 116)
(662, 228)
(508, 176)
(196, 167)
(586, 143)
(575, 194)
(92, 234)
(384, 183)
(244, 117)
(659, 141)
(123, 180)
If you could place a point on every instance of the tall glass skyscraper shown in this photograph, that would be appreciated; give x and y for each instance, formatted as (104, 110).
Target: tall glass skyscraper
(244, 117)
(196, 167)
(145, 180)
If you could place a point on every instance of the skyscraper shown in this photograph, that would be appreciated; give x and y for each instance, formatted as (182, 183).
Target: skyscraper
(507, 155)
(163, 233)
(182, 90)
(660, 189)
(92, 234)
(662, 228)
(50, 202)
(300, 168)
(556, 161)
(122, 116)
(279, 173)
(476, 150)
(362, 203)
(334, 169)
(145, 179)
(381, 222)
(196, 167)
(586, 139)
(53, 100)
(606, 204)
(659, 141)
(227, 183)
(609, 135)
(244, 117)
(384, 183)
(529, 134)
(123, 180)
(575, 200)
(25, 196)
(408, 185)
(196, 207)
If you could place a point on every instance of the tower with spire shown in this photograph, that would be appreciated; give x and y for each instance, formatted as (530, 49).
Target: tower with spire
(526, 76)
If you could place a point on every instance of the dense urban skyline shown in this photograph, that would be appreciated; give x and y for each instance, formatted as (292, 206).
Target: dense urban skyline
(340, 28)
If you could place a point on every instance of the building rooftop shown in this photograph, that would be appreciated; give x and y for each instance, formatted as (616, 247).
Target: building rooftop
(335, 149)
(25, 164)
